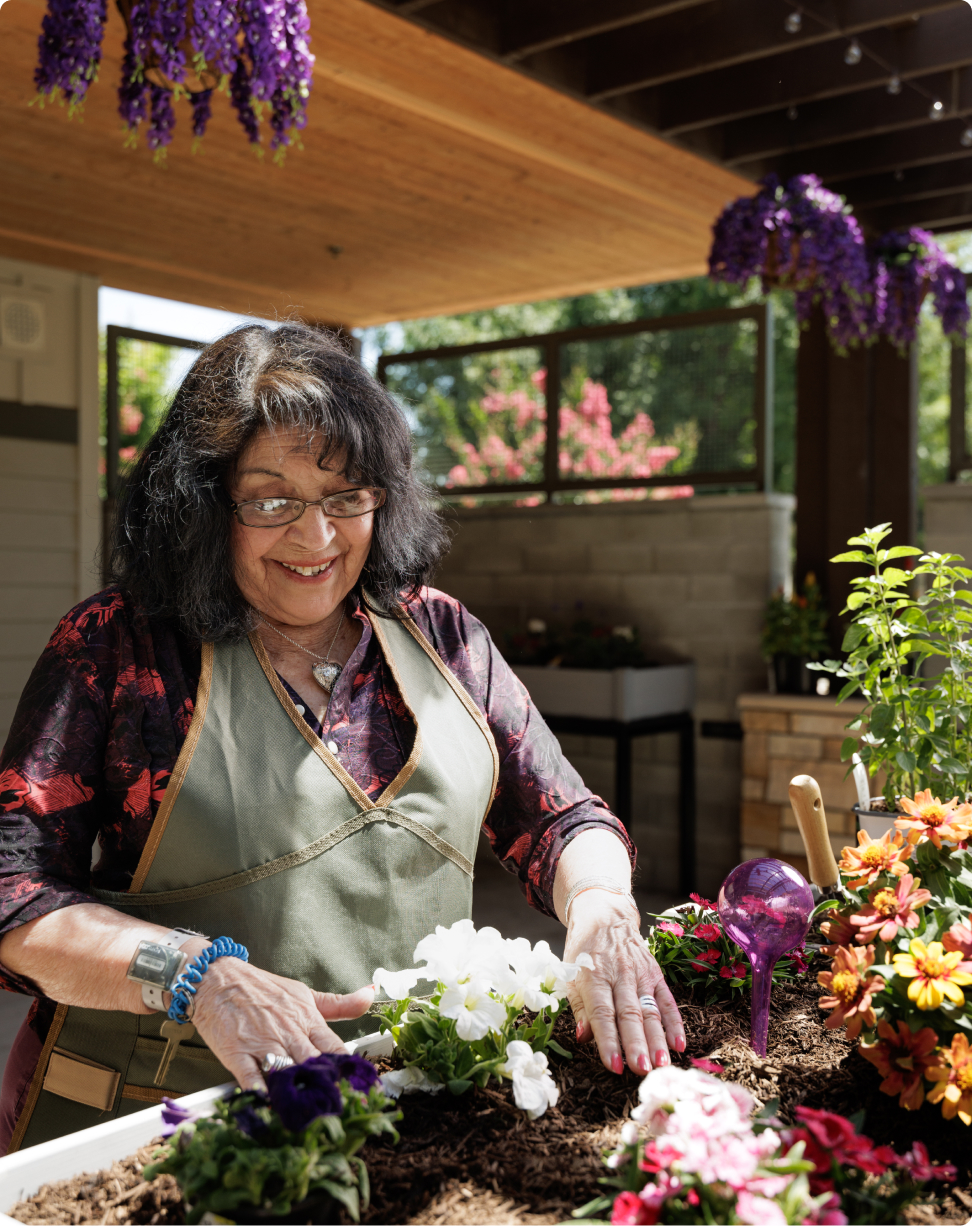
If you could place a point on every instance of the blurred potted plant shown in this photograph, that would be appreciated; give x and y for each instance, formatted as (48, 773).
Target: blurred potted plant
(794, 634)
(598, 671)
(915, 726)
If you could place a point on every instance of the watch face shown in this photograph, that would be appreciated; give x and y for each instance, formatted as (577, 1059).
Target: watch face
(157, 965)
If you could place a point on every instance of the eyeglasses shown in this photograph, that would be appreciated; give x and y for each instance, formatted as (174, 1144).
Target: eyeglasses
(275, 512)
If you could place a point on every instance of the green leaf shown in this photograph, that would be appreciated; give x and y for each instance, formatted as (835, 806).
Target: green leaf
(882, 720)
(848, 748)
(553, 1045)
(856, 599)
(855, 635)
(459, 1085)
(901, 551)
(854, 556)
(906, 760)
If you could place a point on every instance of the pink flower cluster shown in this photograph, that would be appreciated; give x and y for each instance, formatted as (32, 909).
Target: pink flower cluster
(513, 447)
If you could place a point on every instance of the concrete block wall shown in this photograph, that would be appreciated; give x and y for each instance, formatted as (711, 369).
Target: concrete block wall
(948, 519)
(693, 575)
(787, 735)
(50, 512)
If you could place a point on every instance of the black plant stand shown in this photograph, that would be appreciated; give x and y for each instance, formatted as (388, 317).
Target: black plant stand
(624, 732)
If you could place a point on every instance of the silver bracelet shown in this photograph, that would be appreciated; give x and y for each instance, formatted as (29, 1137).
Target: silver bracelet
(610, 884)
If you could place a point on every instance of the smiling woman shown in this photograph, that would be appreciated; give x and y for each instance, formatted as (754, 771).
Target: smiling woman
(271, 726)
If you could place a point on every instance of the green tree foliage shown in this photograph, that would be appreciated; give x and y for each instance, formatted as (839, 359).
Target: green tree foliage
(627, 367)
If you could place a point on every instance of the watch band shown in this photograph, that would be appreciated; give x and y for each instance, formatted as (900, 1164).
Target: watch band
(175, 938)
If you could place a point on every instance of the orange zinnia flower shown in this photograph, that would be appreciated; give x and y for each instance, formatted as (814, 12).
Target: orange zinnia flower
(934, 974)
(958, 939)
(935, 819)
(890, 909)
(838, 932)
(851, 985)
(872, 858)
(954, 1083)
(903, 1058)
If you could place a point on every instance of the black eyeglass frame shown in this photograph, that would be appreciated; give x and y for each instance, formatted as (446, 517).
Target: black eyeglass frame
(236, 507)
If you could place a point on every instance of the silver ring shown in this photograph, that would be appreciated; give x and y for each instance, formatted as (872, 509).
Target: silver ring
(273, 1064)
(648, 1004)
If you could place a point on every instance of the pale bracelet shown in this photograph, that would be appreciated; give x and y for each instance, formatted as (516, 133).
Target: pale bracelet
(610, 884)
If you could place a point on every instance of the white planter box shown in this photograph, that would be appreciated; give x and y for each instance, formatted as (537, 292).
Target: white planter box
(24, 1173)
(619, 693)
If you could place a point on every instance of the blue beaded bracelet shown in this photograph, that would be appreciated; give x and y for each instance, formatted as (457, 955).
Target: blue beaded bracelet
(184, 988)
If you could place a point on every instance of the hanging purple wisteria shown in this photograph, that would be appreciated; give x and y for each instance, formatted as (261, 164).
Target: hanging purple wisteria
(802, 237)
(257, 51)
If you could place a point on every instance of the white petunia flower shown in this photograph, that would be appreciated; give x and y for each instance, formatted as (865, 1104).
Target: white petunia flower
(474, 1011)
(460, 953)
(408, 1081)
(540, 978)
(396, 984)
(534, 1090)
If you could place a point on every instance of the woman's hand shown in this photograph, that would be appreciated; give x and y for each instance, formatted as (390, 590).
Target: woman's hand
(605, 1000)
(244, 1013)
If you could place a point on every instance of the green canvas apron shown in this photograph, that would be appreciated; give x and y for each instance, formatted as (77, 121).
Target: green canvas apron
(264, 837)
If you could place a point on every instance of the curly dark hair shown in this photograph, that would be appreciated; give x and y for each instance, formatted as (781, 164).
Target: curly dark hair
(171, 542)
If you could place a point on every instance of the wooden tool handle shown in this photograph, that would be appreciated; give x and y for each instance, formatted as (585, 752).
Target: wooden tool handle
(811, 819)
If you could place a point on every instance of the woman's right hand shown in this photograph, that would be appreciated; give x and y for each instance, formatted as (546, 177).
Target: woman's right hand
(244, 1013)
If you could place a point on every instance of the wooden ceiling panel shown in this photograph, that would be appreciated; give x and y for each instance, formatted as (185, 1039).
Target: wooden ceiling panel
(432, 180)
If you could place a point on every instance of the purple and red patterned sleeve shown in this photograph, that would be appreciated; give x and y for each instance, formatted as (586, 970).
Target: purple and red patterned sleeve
(541, 802)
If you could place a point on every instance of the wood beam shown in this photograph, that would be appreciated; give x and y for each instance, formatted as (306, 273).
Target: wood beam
(919, 146)
(724, 33)
(951, 212)
(866, 113)
(936, 43)
(905, 186)
(539, 25)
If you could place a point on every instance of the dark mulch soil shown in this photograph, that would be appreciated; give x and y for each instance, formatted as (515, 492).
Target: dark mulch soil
(478, 1159)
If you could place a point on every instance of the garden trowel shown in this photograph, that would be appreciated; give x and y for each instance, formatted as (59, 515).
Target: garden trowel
(808, 808)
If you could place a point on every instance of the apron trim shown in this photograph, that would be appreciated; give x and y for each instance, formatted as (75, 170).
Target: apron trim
(461, 693)
(145, 1094)
(292, 860)
(37, 1081)
(179, 772)
(311, 737)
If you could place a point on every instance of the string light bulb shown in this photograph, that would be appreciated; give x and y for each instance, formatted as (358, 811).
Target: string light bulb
(965, 140)
(894, 85)
(853, 53)
(936, 110)
(794, 22)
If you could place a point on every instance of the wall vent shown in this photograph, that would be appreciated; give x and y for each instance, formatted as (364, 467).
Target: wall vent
(22, 324)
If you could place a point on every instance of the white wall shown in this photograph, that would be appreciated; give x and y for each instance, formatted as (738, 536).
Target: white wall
(50, 516)
(948, 519)
(694, 575)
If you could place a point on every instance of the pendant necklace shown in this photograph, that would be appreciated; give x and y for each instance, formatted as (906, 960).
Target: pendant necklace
(326, 672)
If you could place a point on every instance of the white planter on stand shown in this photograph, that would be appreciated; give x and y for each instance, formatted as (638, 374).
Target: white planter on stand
(610, 693)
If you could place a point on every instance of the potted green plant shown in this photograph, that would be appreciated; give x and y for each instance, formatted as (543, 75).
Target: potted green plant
(794, 634)
(909, 658)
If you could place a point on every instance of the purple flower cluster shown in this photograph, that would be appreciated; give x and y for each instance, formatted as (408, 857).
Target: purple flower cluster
(302, 1092)
(908, 264)
(803, 237)
(69, 48)
(257, 49)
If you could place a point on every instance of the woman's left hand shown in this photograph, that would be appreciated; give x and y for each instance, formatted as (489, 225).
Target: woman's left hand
(606, 1000)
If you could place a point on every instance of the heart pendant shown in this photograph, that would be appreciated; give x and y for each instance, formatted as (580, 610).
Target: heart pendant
(326, 675)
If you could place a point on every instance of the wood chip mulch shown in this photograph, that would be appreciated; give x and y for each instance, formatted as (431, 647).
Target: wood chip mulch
(477, 1159)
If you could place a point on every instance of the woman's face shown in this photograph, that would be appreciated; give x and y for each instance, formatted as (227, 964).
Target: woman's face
(284, 465)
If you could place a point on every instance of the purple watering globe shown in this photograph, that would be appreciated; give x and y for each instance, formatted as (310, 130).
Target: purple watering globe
(765, 906)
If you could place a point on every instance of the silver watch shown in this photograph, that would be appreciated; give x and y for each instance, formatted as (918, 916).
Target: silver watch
(158, 964)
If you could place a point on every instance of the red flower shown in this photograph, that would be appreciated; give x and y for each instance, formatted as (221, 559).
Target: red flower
(916, 1163)
(837, 1137)
(739, 970)
(703, 902)
(708, 1066)
(725, 972)
(630, 1210)
(710, 955)
(708, 932)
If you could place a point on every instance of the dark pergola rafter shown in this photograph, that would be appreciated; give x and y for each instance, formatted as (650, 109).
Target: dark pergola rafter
(728, 80)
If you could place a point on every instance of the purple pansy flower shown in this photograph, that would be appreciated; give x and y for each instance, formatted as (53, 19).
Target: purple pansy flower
(359, 1073)
(173, 1116)
(303, 1092)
